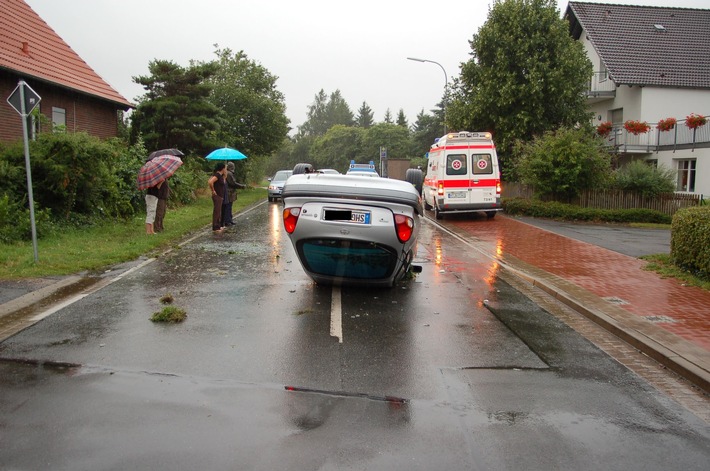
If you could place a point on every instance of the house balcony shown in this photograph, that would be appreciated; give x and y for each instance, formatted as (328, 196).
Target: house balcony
(680, 137)
(601, 88)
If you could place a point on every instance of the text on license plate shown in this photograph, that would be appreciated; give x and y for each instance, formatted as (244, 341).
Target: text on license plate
(456, 194)
(358, 217)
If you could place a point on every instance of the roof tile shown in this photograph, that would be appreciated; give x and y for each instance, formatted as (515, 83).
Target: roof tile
(635, 52)
(28, 45)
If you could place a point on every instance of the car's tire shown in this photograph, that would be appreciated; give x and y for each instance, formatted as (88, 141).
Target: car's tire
(270, 199)
(415, 177)
(437, 213)
(303, 168)
(490, 214)
(427, 206)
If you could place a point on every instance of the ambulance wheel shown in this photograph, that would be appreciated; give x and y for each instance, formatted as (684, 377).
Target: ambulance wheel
(427, 206)
(437, 213)
(415, 177)
(490, 214)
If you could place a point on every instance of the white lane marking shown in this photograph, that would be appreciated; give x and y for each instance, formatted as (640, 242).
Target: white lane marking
(336, 315)
(102, 284)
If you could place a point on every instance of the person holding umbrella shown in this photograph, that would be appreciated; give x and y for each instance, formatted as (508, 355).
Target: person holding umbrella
(150, 177)
(218, 186)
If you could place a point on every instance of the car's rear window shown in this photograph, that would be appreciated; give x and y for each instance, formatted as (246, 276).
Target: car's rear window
(347, 259)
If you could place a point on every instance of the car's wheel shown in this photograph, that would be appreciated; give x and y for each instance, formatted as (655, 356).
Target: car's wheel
(270, 199)
(490, 214)
(437, 213)
(427, 206)
(415, 177)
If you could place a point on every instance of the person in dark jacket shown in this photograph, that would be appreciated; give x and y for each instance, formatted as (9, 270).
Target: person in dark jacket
(232, 185)
(218, 186)
(163, 195)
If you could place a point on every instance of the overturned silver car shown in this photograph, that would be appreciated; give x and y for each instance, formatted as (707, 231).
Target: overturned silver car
(352, 230)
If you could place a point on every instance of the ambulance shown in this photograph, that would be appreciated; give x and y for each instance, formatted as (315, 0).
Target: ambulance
(462, 175)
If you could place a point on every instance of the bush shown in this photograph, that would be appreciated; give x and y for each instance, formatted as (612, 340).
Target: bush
(80, 180)
(640, 177)
(690, 239)
(562, 163)
(15, 223)
(555, 210)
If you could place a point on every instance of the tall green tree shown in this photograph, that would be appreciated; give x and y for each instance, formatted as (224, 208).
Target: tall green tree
(402, 119)
(424, 131)
(526, 75)
(394, 138)
(388, 117)
(175, 110)
(365, 116)
(338, 147)
(325, 112)
(254, 109)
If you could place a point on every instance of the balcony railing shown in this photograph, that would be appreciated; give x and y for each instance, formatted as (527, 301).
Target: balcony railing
(680, 137)
(601, 86)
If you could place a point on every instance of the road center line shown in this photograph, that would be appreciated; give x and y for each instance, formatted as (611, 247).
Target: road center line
(336, 315)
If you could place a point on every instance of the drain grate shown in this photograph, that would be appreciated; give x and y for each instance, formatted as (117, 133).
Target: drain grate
(660, 319)
(615, 300)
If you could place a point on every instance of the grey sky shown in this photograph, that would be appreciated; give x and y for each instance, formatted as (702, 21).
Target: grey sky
(359, 48)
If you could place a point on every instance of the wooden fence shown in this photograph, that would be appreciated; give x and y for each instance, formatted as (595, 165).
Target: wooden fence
(667, 203)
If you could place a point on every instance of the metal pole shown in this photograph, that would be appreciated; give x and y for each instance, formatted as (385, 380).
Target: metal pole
(446, 84)
(28, 170)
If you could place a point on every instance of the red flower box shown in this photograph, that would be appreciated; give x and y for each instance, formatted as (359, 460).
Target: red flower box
(666, 124)
(636, 127)
(694, 121)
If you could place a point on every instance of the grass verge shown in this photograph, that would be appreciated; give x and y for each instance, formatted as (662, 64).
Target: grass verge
(662, 264)
(100, 246)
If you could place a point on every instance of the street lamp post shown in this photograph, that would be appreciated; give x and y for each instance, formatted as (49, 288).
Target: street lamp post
(446, 83)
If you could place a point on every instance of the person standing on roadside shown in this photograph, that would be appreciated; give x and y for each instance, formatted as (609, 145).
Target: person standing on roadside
(163, 195)
(151, 205)
(232, 185)
(218, 187)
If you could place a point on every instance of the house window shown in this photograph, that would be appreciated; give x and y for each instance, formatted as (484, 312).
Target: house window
(686, 175)
(59, 119)
(616, 116)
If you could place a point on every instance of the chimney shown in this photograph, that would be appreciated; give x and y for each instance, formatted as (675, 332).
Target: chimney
(26, 48)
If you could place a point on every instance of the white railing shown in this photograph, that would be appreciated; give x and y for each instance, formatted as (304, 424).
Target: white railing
(655, 139)
(600, 83)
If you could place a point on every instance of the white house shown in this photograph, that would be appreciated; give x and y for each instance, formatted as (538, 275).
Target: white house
(651, 64)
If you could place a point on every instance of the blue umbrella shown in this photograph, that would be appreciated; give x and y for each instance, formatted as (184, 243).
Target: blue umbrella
(225, 153)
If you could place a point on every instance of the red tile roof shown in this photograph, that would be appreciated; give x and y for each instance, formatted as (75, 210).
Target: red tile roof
(30, 47)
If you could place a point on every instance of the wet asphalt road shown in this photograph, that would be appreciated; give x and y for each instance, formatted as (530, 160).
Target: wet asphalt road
(452, 370)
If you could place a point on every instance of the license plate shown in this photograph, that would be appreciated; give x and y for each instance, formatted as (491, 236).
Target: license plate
(360, 217)
(456, 194)
(341, 215)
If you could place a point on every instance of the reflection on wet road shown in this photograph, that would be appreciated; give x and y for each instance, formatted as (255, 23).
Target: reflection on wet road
(453, 369)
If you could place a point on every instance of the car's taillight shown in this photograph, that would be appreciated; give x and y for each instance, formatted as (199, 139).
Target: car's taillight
(441, 189)
(498, 187)
(291, 218)
(404, 226)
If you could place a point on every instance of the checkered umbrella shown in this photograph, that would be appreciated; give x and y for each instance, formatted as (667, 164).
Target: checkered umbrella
(156, 170)
(160, 152)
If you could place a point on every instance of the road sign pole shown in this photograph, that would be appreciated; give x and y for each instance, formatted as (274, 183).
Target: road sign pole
(23, 113)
